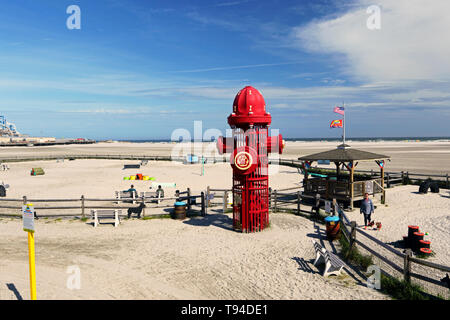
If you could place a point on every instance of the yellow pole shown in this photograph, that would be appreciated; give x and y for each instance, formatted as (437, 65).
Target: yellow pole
(32, 265)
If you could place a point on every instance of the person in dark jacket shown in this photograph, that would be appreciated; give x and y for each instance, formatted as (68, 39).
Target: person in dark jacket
(160, 192)
(132, 191)
(366, 209)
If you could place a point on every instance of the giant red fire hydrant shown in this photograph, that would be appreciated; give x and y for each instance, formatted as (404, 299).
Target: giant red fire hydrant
(249, 146)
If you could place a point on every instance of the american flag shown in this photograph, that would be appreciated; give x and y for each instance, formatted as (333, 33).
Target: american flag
(339, 110)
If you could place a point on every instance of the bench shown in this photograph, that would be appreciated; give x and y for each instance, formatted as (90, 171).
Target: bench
(106, 214)
(333, 264)
(125, 195)
(131, 166)
(156, 196)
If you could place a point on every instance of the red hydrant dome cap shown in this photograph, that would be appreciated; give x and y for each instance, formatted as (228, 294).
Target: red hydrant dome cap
(249, 107)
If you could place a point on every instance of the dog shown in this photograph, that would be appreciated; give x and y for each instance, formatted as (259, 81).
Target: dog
(137, 210)
(446, 280)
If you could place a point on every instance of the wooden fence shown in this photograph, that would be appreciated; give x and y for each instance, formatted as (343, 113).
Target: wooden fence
(86, 203)
(350, 231)
(294, 202)
(391, 178)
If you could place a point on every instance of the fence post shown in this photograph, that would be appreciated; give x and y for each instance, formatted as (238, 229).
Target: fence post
(82, 207)
(203, 204)
(407, 177)
(403, 178)
(407, 266)
(333, 209)
(143, 202)
(208, 193)
(299, 198)
(275, 200)
(352, 236)
(225, 196)
(388, 181)
(188, 191)
(24, 200)
(270, 198)
(317, 206)
(446, 179)
(177, 194)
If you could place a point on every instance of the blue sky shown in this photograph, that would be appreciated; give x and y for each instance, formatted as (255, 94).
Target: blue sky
(141, 69)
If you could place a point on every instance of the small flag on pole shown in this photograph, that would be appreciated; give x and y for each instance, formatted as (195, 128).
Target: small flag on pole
(336, 124)
(339, 110)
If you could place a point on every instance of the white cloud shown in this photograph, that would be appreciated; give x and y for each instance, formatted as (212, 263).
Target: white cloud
(413, 42)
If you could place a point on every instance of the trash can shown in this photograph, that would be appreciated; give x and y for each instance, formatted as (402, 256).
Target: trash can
(179, 211)
(332, 227)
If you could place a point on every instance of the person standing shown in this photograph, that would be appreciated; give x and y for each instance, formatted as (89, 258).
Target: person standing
(366, 209)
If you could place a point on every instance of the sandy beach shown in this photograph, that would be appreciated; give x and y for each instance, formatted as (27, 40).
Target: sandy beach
(198, 258)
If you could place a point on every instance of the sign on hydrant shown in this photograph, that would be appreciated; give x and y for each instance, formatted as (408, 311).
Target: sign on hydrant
(249, 146)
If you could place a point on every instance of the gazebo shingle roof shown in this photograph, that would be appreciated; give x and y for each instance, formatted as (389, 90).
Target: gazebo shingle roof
(344, 153)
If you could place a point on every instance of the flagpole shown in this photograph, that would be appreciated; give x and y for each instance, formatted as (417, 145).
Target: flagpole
(343, 127)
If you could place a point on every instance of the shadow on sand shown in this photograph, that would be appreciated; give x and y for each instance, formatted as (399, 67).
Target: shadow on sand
(13, 288)
(212, 219)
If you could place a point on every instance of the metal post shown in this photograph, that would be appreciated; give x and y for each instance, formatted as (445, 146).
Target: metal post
(388, 181)
(298, 202)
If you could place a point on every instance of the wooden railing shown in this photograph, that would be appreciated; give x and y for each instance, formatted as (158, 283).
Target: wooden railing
(86, 203)
(350, 231)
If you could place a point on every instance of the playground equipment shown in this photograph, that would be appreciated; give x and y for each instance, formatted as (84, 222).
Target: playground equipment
(249, 146)
(139, 176)
(415, 240)
(37, 172)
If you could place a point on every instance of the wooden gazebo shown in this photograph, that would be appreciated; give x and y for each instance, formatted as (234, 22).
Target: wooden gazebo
(339, 186)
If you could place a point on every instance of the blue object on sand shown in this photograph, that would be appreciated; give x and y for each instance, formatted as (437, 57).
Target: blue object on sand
(180, 203)
(332, 218)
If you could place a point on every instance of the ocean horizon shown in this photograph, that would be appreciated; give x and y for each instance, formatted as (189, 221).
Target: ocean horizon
(348, 139)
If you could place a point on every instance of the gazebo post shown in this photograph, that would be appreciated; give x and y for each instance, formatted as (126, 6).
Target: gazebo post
(337, 170)
(352, 171)
(383, 194)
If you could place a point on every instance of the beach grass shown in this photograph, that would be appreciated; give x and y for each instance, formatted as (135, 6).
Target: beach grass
(160, 216)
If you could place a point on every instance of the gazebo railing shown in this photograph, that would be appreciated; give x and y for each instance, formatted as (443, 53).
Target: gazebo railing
(342, 188)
